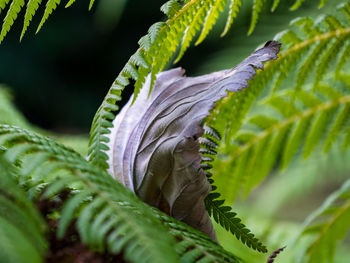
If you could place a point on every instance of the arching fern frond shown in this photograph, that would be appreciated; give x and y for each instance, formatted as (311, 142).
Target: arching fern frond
(22, 229)
(120, 221)
(257, 151)
(302, 118)
(109, 217)
(328, 225)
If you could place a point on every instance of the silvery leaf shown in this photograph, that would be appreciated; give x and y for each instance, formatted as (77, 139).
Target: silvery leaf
(154, 145)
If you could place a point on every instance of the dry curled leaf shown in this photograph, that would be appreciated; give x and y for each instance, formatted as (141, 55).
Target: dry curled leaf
(154, 146)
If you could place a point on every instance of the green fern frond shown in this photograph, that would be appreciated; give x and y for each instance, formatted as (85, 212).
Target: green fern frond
(257, 7)
(301, 117)
(51, 5)
(11, 16)
(132, 226)
(297, 4)
(234, 8)
(32, 6)
(254, 157)
(222, 214)
(194, 246)
(3, 4)
(109, 217)
(170, 8)
(210, 20)
(327, 225)
(275, 5)
(22, 229)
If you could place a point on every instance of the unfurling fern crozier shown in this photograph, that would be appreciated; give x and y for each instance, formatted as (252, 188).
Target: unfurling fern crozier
(154, 144)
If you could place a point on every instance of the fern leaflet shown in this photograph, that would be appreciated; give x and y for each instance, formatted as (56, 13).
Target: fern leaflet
(11, 16)
(222, 214)
(22, 228)
(44, 161)
(293, 117)
(335, 221)
(32, 6)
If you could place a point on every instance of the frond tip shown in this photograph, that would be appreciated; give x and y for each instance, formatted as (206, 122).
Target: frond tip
(32, 7)
(286, 122)
(328, 225)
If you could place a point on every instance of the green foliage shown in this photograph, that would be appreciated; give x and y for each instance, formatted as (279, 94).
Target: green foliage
(328, 224)
(109, 217)
(50, 6)
(285, 121)
(194, 246)
(21, 227)
(11, 16)
(32, 6)
(222, 214)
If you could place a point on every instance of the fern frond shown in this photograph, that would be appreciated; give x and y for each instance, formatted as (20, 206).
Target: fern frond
(32, 7)
(302, 118)
(210, 20)
(22, 228)
(170, 8)
(297, 4)
(222, 214)
(234, 8)
(257, 7)
(194, 246)
(255, 157)
(51, 5)
(109, 217)
(132, 226)
(3, 4)
(11, 16)
(328, 224)
(275, 5)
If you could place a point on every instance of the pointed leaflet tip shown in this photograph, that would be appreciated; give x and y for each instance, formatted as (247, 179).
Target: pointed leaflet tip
(69, 3)
(91, 4)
